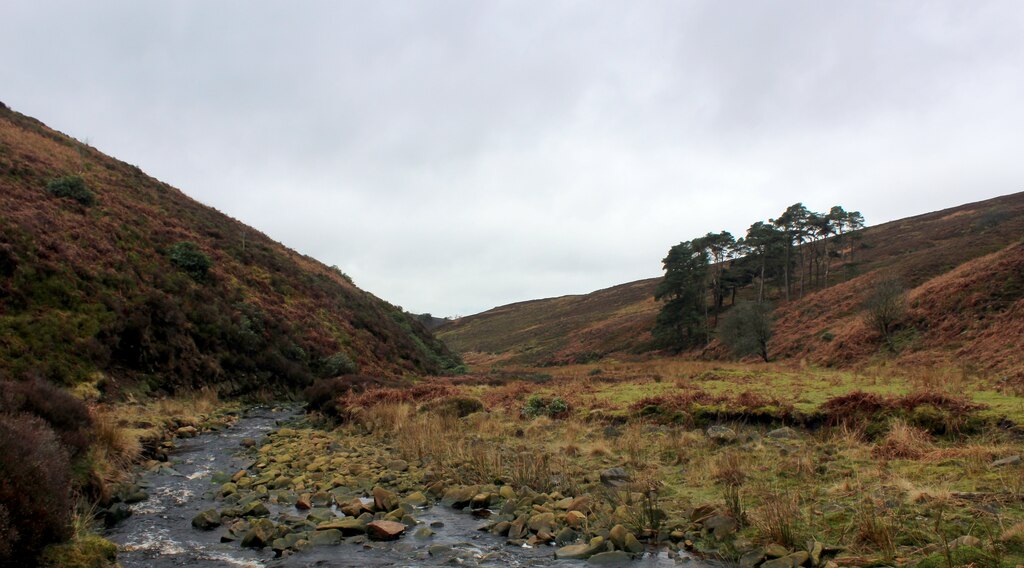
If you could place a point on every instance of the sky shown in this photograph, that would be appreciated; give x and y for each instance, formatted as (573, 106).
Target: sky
(454, 156)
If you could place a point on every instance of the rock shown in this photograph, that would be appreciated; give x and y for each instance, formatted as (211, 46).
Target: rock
(186, 432)
(784, 562)
(575, 519)
(506, 492)
(260, 535)
(480, 501)
(565, 536)
(328, 537)
(115, 514)
(752, 558)
(815, 550)
(966, 540)
(416, 499)
(615, 558)
(775, 551)
(581, 551)
(618, 536)
(347, 526)
(721, 526)
(135, 496)
(398, 465)
(354, 508)
(458, 497)
(799, 558)
(1012, 460)
(255, 509)
(542, 522)
(238, 475)
(439, 550)
(614, 476)
(632, 544)
(581, 503)
(423, 532)
(721, 434)
(247, 442)
(320, 515)
(304, 502)
(207, 520)
(784, 433)
(701, 512)
(385, 530)
(384, 500)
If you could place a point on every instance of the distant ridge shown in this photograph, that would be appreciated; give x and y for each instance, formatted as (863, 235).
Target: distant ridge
(963, 266)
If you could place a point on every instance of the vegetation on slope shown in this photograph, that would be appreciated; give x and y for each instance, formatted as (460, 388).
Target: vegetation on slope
(617, 321)
(109, 273)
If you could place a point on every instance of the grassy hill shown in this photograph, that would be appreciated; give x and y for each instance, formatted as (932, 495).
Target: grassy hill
(962, 266)
(104, 280)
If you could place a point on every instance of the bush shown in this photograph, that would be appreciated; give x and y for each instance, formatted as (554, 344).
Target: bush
(72, 187)
(339, 364)
(747, 328)
(884, 307)
(458, 406)
(35, 491)
(67, 416)
(326, 395)
(537, 405)
(187, 256)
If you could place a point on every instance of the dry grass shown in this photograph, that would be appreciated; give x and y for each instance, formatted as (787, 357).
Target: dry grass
(903, 442)
(115, 447)
(776, 519)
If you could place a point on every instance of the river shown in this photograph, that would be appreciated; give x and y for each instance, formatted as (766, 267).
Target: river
(159, 533)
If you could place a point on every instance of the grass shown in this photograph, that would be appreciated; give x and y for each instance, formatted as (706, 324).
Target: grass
(879, 490)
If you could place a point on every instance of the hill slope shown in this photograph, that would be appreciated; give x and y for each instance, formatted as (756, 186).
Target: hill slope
(109, 290)
(928, 252)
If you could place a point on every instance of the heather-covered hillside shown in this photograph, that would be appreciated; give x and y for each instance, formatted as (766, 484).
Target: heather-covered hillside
(961, 268)
(111, 277)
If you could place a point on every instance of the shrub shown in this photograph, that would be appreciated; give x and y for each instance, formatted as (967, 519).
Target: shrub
(35, 491)
(339, 364)
(884, 307)
(537, 405)
(67, 416)
(72, 187)
(187, 257)
(458, 406)
(747, 328)
(326, 395)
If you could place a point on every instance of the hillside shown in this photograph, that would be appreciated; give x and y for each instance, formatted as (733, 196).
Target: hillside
(948, 259)
(103, 286)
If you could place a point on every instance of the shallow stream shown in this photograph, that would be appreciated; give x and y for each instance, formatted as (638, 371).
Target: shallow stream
(159, 533)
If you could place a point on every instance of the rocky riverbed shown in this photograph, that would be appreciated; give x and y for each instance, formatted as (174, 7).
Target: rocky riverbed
(269, 492)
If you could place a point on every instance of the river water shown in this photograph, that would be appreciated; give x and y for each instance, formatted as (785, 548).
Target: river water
(159, 533)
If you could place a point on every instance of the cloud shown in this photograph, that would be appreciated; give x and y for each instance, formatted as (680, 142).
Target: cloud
(456, 155)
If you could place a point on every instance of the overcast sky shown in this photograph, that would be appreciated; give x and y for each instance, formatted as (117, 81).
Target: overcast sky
(456, 156)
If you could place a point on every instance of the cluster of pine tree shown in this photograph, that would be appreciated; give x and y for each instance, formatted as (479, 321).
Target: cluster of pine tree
(785, 257)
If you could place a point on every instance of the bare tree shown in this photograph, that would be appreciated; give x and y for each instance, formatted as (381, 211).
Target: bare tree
(885, 306)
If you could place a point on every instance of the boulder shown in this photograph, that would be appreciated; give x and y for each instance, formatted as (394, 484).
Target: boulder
(616, 558)
(329, 537)
(398, 465)
(384, 500)
(618, 536)
(1012, 460)
(614, 476)
(459, 497)
(207, 520)
(575, 519)
(416, 499)
(632, 545)
(542, 522)
(721, 434)
(581, 551)
(784, 433)
(385, 530)
(304, 502)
